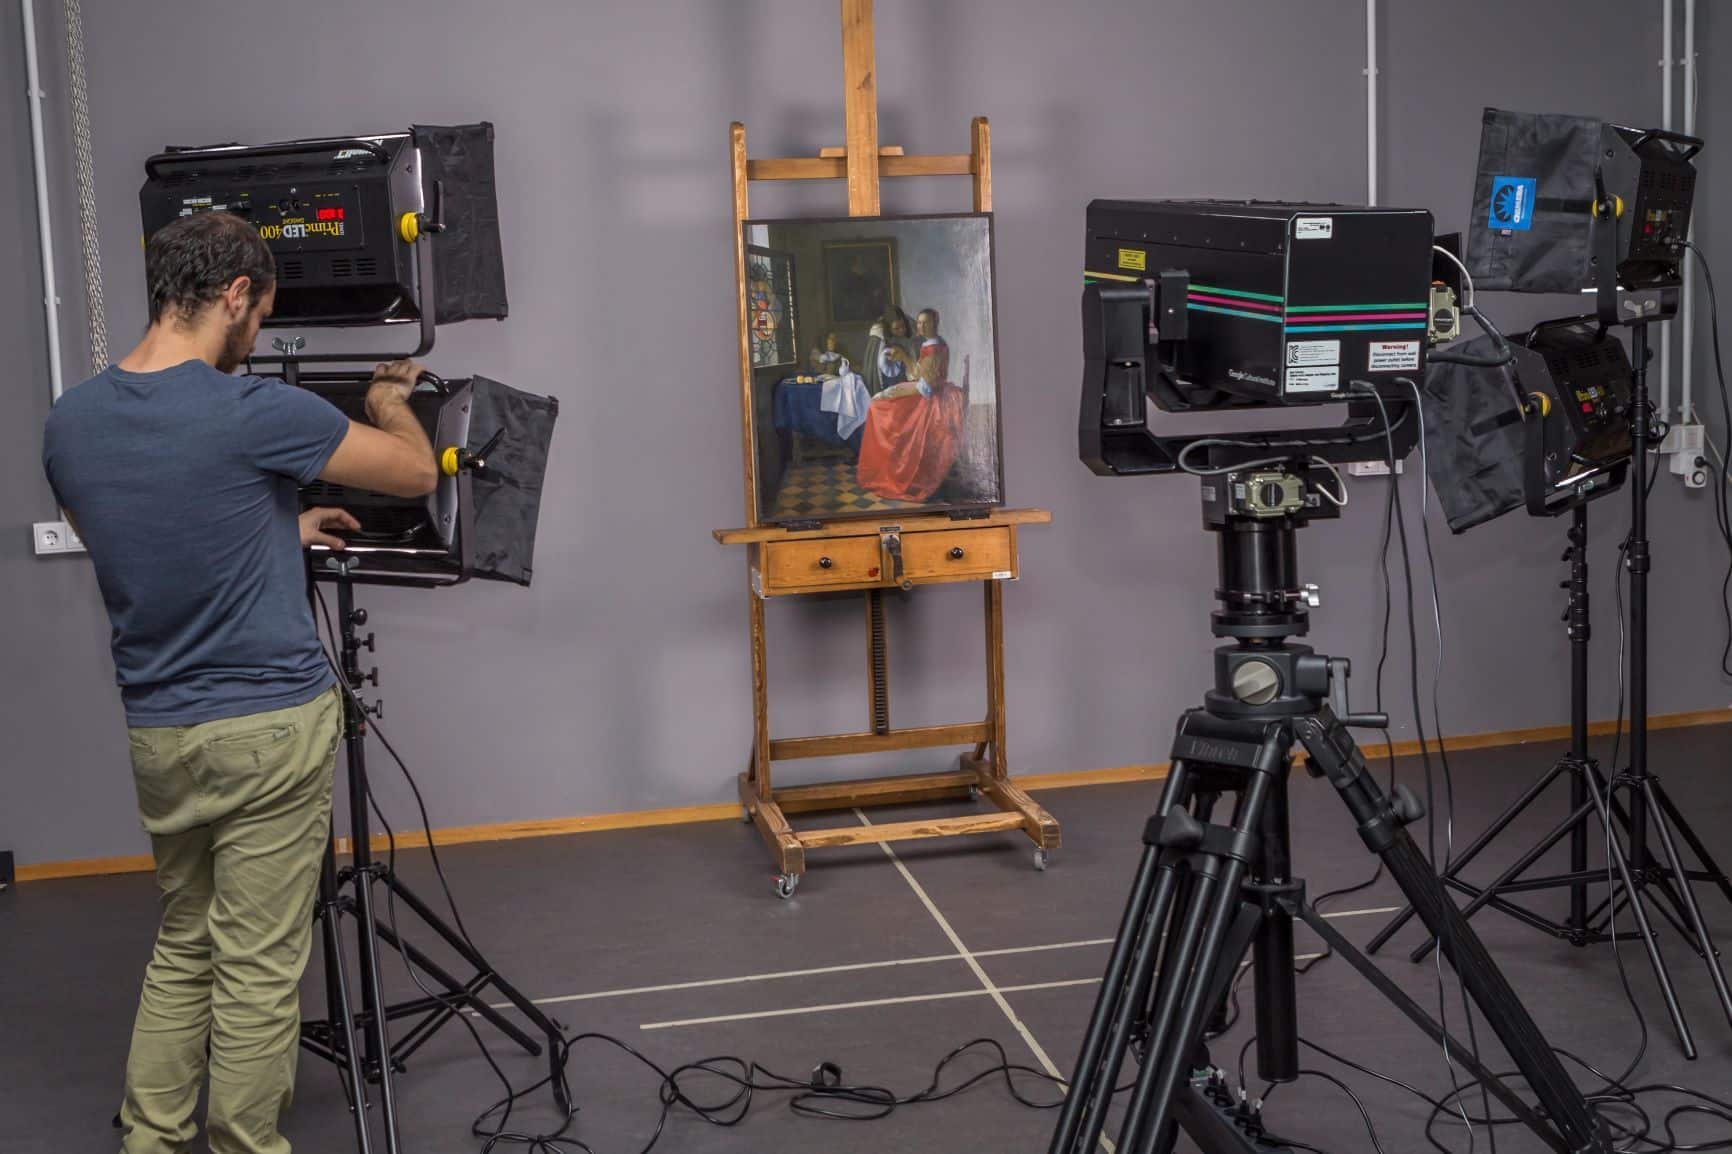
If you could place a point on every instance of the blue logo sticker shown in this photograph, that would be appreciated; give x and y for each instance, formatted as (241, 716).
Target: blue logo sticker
(1512, 202)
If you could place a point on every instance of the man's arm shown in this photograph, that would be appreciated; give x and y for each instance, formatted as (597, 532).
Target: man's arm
(393, 454)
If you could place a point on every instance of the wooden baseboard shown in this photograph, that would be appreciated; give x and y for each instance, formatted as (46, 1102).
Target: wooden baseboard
(730, 811)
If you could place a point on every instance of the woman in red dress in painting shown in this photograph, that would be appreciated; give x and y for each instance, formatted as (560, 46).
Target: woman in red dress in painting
(914, 430)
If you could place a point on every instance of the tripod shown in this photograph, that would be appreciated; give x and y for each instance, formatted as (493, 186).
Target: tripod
(1205, 892)
(1595, 802)
(358, 1041)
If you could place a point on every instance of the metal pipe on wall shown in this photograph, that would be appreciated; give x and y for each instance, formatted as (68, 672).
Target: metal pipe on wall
(44, 219)
(1687, 401)
(1371, 101)
(1667, 124)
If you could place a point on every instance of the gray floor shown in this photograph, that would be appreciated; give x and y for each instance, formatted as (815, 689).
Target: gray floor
(970, 941)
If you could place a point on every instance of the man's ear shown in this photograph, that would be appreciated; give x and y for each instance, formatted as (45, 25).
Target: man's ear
(238, 297)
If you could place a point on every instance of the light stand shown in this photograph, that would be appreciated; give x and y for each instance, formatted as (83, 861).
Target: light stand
(1595, 802)
(375, 1057)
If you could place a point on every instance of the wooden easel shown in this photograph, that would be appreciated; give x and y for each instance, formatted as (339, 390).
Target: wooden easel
(870, 556)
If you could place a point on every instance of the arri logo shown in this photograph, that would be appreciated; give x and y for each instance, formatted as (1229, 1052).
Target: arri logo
(1512, 202)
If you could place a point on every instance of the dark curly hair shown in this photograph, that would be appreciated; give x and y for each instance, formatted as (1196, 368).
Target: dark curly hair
(190, 261)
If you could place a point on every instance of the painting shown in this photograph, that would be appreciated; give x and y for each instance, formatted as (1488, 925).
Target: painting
(770, 306)
(859, 279)
(889, 398)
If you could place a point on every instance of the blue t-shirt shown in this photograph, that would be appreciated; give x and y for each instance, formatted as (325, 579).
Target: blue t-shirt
(182, 484)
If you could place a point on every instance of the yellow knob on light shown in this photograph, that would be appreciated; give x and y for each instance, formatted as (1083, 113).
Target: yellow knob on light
(450, 461)
(1545, 403)
(408, 227)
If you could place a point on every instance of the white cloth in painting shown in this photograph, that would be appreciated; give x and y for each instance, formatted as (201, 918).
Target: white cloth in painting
(845, 395)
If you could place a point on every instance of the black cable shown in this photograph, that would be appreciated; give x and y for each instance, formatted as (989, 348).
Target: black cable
(1364, 1114)
(1418, 710)
(822, 1096)
(1722, 506)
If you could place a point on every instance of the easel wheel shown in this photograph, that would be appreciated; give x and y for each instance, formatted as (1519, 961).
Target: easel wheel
(1041, 858)
(786, 884)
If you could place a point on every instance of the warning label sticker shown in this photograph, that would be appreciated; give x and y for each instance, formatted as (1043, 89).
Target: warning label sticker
(1313, 353)
(1313, 380)
(1394, 357)
(1314, 228)
(1133, 258)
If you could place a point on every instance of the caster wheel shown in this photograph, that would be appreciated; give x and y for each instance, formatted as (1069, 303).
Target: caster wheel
(1041, 858)
(974, 793)
(745, 815)
(786, 884)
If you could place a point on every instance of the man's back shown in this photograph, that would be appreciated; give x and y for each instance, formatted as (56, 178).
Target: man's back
(183, 483)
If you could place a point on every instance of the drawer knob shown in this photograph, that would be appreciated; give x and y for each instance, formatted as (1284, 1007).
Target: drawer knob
(825, 562)
(956, 552)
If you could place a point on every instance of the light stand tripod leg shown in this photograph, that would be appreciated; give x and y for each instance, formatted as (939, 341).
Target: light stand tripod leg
(470, 954)
(1503, 821)
(1705, 944)
(1650, 944)
(340, 1020)
(1515, 870)
(1709, 866)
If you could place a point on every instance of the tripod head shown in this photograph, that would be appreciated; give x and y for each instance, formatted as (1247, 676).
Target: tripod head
(1256, 513)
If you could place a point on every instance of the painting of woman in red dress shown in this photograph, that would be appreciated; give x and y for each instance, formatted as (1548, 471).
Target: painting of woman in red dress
(914, 430)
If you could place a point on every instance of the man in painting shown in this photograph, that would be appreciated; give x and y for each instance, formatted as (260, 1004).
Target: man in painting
(892, 331)
(829, 359)
(914, 428)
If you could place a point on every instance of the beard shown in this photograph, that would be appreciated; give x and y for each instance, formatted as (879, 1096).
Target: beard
(237, 346)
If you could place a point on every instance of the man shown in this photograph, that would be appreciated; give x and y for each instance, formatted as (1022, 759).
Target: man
(182, 479)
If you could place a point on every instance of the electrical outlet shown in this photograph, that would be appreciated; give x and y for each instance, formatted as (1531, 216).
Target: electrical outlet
(1684, 447)
(55, 537)
(1371, 468)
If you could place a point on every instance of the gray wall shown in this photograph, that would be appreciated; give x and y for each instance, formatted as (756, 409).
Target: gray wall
(620, 681)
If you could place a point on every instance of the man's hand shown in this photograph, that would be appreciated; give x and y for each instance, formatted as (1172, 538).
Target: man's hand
(314, 522)
(391, 385)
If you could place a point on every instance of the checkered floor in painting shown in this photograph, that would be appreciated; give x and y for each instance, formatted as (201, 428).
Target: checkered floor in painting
(825, 485)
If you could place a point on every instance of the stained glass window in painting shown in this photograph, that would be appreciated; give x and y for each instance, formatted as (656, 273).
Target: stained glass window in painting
(770, 306)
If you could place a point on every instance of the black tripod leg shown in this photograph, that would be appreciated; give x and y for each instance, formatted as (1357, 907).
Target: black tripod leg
(1459, 1051)
(1515, 870)
(1695, 843)
(1572, 1127)
(1472, 851)
(340, 1010)
(1650, 944)
(1705, 944)
(1116, 1008)
(1165, 1050)
(1119, 1008)
(1178, 1022)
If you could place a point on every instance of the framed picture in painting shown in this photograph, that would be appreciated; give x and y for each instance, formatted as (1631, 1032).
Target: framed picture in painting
(889, 401)
(770, 306)
(859, 279)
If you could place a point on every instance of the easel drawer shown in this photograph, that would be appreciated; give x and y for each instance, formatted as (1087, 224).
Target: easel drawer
(959, 555)
(838, 561)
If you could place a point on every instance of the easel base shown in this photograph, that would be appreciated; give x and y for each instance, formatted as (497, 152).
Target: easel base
(976, 775)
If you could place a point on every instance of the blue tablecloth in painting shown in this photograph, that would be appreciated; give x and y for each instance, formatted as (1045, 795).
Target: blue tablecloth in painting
(796, 408)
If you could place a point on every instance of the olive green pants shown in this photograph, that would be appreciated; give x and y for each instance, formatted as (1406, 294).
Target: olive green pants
(238, 812)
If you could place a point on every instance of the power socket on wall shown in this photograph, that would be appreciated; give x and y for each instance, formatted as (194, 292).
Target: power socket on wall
(55, 537)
